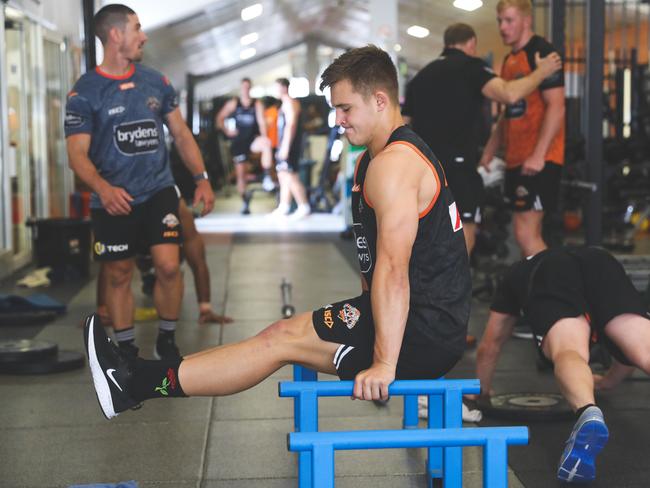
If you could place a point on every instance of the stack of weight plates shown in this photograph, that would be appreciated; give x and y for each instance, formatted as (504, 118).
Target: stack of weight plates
(26, 356)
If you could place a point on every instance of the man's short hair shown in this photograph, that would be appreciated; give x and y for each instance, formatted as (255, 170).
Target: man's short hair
(366, 68)
(524, 6)
(246, 79)
(458, 34)
(283, 81)
(112, 15)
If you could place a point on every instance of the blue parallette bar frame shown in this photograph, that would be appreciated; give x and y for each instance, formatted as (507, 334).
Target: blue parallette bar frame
(444, 405)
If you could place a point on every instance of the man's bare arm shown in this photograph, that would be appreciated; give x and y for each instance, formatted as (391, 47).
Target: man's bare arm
(227, 109)
(393, 192)
(551, 124)
(493, 144)
(259, 115)
(512, 91)
(192, 158)
(497, 331)
(116, 201)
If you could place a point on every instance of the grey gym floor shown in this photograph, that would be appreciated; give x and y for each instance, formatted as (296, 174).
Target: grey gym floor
(52, 433)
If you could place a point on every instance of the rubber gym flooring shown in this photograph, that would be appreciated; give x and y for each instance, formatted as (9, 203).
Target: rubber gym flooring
(54, 435)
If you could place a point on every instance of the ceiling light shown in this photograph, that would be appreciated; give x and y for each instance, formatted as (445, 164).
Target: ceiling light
(468, 5)
(249, 38)
(397, 47)
(251, 12)
(249, 52)
(417, 31)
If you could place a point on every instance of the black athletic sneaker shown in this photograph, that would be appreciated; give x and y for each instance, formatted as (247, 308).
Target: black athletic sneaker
(246, 201)
(166, 348)
(111, 369)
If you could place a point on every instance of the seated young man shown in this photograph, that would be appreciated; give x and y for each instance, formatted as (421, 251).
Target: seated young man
(410, 320)
(568, 295)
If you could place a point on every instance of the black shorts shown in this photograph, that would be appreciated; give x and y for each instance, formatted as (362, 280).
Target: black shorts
(467, 186)
(350, 323)
(155, 221)
(589, 282)
(240, 148)
(538, 192)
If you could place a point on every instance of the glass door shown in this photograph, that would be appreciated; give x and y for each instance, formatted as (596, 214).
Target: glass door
(59, 176)
(19, 161)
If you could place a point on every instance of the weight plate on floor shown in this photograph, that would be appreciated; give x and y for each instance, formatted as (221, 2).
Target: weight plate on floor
(526, 406)
(26, 350)
(63, 361)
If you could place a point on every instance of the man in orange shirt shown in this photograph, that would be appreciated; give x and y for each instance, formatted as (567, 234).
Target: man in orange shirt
(531, 131)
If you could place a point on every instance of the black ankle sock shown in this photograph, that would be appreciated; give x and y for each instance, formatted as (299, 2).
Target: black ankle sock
(581, 410)
(155, 379)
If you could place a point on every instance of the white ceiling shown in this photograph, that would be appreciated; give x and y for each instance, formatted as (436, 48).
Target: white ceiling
(203, 36)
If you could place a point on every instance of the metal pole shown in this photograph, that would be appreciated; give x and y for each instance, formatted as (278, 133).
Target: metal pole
(594, 118)
(89, 34)
(190, 100)
(558, 21)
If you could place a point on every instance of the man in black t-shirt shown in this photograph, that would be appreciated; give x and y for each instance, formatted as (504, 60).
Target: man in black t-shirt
(569, 296)
(444, 102)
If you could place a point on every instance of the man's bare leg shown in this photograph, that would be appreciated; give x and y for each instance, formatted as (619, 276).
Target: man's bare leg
(567, 345)
(194, 250)
(527, 227)
(236, 367)
(118, 295)
(631, 333)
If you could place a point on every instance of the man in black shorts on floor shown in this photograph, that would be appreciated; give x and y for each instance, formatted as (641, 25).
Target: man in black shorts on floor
(410, 320)
(248, 136)
(116, 145)
(569, 296)
(456, 84)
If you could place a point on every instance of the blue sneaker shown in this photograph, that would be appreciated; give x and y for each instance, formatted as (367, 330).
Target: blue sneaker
(588, 437)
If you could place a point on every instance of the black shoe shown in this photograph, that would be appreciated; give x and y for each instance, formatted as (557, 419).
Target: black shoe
(111, 369)
(130, 350)
(246, 198)
(166, 348)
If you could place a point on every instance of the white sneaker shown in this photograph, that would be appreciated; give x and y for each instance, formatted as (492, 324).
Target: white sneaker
(301, 212)
(268, 183)
(279, 212)
(468, 415)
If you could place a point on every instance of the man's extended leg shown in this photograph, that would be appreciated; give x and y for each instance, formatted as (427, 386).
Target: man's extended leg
(167, 296)
(631, 333)
(244, 364)
(121, 383)
(194, 250)
(567, 345)
(262, 145)
(527, 227)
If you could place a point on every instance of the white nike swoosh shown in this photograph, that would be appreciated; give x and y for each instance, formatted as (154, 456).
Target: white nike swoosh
(109, 373)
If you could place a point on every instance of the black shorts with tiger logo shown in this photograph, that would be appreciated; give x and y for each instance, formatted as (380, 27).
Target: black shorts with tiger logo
(350, 324)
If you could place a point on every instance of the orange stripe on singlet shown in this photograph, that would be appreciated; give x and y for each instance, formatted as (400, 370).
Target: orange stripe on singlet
(433, 169)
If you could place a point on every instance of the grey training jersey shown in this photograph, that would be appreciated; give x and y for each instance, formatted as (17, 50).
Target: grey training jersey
(124, 116)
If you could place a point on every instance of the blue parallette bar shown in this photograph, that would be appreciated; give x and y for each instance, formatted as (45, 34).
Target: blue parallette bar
(321, 446)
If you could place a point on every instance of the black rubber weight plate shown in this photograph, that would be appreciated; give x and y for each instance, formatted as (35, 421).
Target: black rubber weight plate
(526, 406)
(63, 361)
(26, 350)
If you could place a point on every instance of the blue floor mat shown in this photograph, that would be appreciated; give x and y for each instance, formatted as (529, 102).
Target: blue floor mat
(31, 303)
